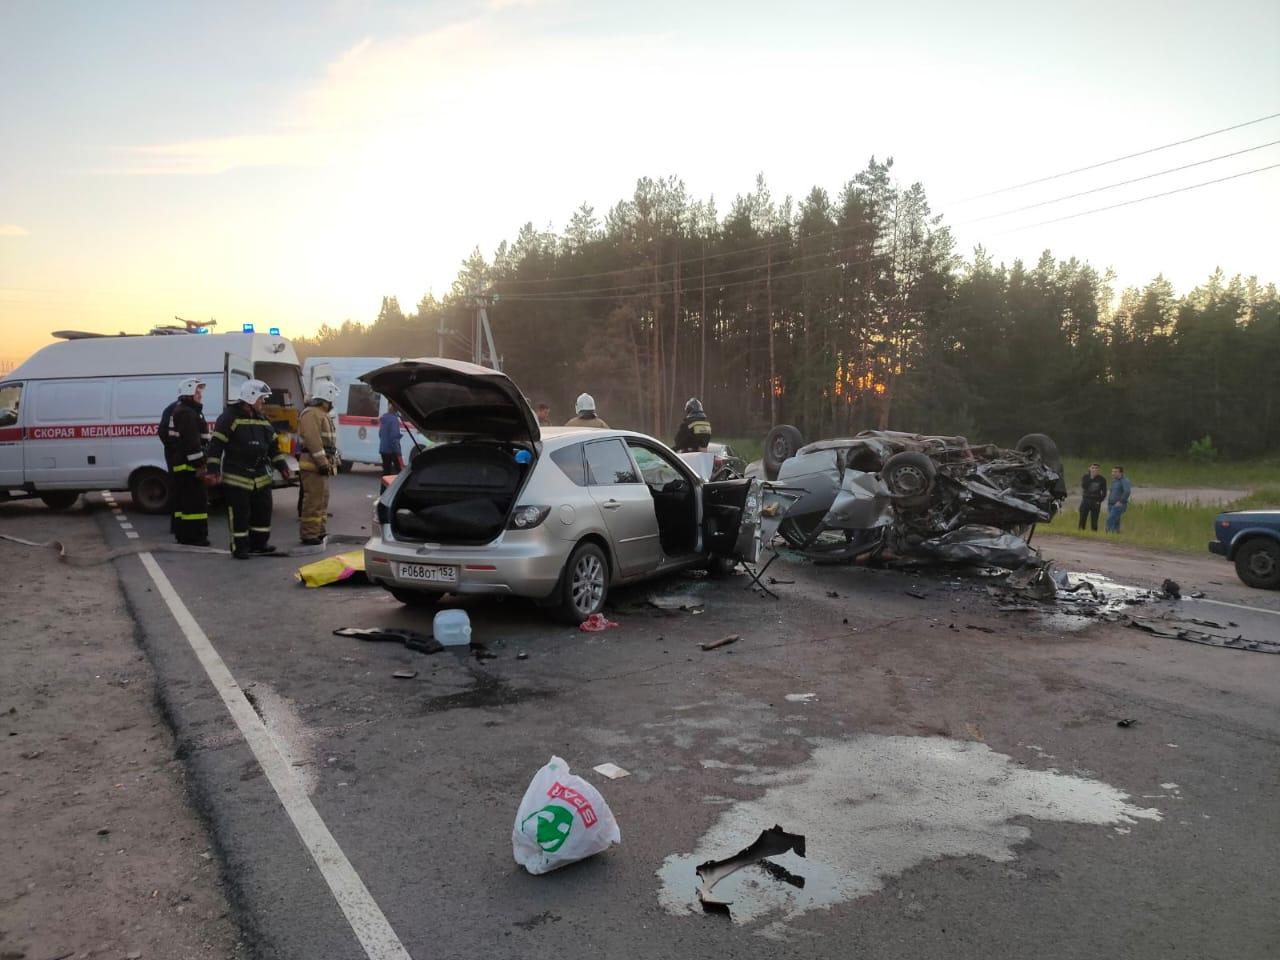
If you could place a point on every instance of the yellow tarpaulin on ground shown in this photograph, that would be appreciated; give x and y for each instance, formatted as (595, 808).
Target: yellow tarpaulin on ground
(343, 566)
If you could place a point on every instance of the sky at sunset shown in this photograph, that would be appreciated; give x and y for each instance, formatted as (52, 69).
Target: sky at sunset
(289, 164)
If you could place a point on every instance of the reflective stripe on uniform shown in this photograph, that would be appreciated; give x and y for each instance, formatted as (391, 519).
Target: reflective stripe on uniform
(183, 468)
(191, 516)
(236, 424)
(195, 456)
(259, 529)
(231, 480)
(219, 435)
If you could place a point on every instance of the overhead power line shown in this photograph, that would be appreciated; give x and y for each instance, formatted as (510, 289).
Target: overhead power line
(584, 298)
(650, 287)
(1127, 156)
(1121, 183)
(840, 230)
(1153, 196)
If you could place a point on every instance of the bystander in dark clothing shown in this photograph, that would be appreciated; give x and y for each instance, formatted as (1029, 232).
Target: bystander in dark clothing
(389, 443)
(1093, 490)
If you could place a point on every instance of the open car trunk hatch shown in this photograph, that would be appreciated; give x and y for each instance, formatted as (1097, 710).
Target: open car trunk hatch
(457, 400)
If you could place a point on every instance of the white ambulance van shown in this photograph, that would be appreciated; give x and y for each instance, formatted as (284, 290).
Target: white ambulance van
(82, 414)
(358, 408)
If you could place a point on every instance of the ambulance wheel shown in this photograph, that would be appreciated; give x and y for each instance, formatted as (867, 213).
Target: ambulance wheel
(151, 490)
(60, 499)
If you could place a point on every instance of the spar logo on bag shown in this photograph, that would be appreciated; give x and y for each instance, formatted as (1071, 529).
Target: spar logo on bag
(550, 827)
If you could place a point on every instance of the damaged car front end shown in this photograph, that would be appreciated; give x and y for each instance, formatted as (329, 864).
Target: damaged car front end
(894, 494)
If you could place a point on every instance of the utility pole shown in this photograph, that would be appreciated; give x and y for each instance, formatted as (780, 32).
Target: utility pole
(773, 376)
(440, 336)
(483, 336)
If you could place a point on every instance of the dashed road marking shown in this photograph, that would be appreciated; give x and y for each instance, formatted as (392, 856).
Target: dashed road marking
(367, 921)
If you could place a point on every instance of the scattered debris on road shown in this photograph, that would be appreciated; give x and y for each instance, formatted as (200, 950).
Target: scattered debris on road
(405, 674)
(770, 843)
(802, 697)
(1189, 629)
(596, 623)
(676, 602)
(1171, 589)
(412, 639)
(561, 819)
(1126, 722)
(722, 642)
(611, 770)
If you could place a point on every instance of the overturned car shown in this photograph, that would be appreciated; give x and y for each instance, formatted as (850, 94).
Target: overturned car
(885, 492)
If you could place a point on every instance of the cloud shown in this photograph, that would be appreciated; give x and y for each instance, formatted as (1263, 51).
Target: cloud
(12, 230)
(510, 4)
(370, 88)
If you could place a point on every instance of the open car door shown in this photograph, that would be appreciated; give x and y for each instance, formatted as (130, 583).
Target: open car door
(731, 519)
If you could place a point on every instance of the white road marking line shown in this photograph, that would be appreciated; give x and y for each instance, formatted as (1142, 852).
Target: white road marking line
(1238, 606)
(131, 535)
(367, 920)
(126, 524)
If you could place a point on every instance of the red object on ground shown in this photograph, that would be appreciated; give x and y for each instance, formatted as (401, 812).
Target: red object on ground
(595, 623)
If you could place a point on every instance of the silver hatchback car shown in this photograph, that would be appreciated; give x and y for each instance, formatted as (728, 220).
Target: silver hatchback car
(559, 515)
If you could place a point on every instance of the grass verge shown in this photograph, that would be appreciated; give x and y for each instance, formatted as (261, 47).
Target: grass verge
(1187, 527)
(1180, 472)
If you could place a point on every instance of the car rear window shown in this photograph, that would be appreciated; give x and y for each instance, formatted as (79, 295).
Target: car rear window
(569, 460)
(608, 463)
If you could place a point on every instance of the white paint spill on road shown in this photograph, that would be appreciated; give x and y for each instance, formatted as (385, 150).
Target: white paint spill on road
(873, 808)
(293, 737)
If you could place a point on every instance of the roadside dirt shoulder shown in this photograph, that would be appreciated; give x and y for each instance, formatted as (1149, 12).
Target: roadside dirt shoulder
(103, 856)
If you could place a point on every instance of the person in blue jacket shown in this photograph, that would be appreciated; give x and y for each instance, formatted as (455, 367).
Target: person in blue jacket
(389, 441)
(1117, 498)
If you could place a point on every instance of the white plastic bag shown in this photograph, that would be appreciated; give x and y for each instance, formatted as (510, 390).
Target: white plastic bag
(561, 819)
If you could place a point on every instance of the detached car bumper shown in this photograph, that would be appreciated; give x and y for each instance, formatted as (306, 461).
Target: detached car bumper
(1218, 547)
(520, 563)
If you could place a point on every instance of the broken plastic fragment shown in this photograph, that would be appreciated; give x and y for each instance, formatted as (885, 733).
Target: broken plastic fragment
(770, 843)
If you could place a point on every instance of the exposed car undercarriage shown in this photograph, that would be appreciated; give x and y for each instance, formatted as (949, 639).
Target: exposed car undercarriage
(894, 494)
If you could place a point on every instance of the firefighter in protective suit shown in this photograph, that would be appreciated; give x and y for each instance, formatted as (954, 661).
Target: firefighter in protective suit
(242, 453)
(317, 461)
(185, 434)
(694, 432)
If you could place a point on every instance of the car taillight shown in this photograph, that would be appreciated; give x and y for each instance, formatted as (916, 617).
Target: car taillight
(526, 518)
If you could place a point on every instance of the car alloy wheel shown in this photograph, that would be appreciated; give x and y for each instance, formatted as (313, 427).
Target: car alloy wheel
(587, 588)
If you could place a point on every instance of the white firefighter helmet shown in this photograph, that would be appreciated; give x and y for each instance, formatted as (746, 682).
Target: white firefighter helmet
(251, 391)
(188, 387)
(327, 391)
(585, 404)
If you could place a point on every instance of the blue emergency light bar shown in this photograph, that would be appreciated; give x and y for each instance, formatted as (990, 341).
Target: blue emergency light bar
(274, 331)
(246, 328)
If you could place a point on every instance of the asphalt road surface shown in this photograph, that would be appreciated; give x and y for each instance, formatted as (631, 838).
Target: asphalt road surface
(957, 770)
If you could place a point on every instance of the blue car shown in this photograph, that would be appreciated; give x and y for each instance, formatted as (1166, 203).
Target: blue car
(1252, 539)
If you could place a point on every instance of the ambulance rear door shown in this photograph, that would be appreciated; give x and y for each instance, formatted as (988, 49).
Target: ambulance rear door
(236, 370)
